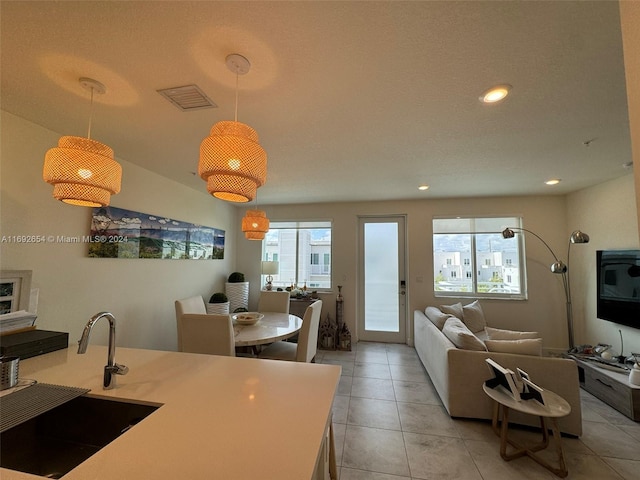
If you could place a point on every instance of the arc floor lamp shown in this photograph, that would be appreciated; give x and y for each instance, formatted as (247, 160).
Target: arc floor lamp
(558, 267)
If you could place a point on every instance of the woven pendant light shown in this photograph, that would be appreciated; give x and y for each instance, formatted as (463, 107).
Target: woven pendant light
(232, 162)
(83, 171)
(255, 224)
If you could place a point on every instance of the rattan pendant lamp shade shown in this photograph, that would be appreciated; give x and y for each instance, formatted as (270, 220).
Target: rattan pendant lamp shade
(255, 224)
(232, 162)
(81, 170)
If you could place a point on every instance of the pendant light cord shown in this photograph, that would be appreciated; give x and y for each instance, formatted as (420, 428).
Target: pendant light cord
(236, 111)
(90, 114)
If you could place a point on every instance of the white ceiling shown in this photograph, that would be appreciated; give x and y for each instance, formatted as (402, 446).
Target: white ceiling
(352, 100)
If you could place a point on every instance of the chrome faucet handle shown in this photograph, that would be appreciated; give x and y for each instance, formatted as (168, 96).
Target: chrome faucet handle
(110, 372)
(120, 369)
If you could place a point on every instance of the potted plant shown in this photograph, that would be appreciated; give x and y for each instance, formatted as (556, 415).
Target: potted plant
(238, 291)
(218, 304)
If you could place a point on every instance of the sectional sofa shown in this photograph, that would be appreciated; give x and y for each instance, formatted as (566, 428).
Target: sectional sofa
(459, 373)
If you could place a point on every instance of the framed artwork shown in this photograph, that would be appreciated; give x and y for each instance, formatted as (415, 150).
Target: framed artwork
(120, 233)
(15, 290)
(502, 377)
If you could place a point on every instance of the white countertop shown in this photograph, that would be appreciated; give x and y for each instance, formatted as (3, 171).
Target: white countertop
(221, 417)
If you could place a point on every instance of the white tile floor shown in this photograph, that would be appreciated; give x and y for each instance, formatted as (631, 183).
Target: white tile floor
(389, 424)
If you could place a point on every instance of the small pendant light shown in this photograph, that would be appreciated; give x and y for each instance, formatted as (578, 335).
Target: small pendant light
(83, 171)
(255, 223)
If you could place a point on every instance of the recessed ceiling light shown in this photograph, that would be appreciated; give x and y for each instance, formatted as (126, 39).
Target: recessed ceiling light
(553, 181)
(495, 94)
(423, 187)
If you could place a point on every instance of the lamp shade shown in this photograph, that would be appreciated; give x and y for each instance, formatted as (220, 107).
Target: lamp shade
(270, 267)
(579, 237)
(82, 172)
(232, 162)
(255, 224)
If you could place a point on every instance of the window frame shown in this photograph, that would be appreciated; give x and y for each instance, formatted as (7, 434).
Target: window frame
(487, 225)
(298, 226)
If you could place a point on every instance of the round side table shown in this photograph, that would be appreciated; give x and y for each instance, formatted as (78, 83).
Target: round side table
(555, 407)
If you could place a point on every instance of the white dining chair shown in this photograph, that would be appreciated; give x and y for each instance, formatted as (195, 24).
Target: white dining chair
(195, 335)
(188, 305)
(274, 302)
(206, 333)
(305, 349)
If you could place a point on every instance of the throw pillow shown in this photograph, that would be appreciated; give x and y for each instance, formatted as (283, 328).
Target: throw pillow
(455, 310)
(499, 334)
(473, 317)
(528, 346)
(456, 331)
(436, 316)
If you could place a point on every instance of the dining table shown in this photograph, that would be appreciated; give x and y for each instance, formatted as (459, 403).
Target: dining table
(273, 326)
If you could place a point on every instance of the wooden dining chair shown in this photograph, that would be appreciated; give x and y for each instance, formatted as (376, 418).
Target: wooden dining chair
(274, 302)
(206, 333)
(305, 349)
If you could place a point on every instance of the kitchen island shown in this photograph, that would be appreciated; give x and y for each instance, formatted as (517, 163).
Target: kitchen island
(221, 417)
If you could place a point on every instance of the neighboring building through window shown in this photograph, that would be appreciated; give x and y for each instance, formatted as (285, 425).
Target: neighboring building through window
(303, 250)
(464, 246)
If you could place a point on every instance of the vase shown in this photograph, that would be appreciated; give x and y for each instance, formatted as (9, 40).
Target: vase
(238, 294)
(218, 308)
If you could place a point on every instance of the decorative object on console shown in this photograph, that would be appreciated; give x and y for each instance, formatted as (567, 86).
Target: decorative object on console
(232, 162)
(634, 374)
(270, 268)
(558, 267)
(83, 171)
(120, 233)
(238, 291)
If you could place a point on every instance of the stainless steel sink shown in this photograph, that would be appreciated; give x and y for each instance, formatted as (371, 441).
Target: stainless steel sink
(55, 442)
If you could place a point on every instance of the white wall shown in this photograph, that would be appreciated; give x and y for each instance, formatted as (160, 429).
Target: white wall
(544, 311)
(139, 292)
(607, 212)
(629, 21)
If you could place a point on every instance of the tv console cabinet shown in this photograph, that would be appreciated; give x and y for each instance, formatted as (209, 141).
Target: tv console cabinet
(612, 387)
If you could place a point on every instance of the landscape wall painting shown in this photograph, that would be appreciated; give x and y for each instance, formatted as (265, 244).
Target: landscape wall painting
(119, 233)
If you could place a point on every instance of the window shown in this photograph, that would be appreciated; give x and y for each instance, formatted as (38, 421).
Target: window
(464, 246)
(303, 250)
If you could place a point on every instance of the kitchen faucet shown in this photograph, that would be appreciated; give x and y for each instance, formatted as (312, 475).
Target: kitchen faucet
(112, 368)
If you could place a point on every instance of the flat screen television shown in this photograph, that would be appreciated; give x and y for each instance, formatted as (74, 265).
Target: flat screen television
(619, 286)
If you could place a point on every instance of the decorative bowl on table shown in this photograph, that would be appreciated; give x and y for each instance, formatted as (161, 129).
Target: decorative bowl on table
(247, 318)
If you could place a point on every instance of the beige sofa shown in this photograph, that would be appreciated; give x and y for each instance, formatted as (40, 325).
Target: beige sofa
(458, 376)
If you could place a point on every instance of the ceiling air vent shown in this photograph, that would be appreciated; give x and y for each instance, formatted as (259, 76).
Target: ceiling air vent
(187, 98)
